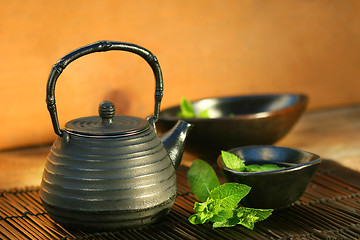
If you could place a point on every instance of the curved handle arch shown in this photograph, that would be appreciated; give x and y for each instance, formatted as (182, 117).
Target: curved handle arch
(101, 46)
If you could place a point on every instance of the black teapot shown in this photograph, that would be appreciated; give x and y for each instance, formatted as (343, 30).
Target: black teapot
(110, 172)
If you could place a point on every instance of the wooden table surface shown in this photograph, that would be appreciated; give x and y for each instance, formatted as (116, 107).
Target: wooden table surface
(331, 133)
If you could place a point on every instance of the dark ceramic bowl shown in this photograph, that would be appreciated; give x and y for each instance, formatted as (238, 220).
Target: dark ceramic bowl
(273, 189)
(237, 121)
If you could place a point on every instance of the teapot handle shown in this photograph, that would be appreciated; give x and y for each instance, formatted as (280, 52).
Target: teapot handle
(101, 46)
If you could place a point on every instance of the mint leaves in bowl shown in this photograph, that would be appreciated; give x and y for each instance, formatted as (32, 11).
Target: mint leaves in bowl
(270, 188)
(222, 123)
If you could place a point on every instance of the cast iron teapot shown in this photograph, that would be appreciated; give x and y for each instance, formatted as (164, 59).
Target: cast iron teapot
(110, 172)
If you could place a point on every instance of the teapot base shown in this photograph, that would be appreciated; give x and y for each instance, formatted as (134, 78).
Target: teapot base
(93, 221)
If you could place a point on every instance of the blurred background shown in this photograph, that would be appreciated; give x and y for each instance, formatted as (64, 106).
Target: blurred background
(205, 49)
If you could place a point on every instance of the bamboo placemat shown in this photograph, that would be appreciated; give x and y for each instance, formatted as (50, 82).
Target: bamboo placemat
(330, 209)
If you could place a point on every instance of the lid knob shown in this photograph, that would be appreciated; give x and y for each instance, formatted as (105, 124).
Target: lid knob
(106, 111)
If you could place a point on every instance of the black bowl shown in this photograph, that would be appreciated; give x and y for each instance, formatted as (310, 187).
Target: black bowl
(273, 189)
(237, 121)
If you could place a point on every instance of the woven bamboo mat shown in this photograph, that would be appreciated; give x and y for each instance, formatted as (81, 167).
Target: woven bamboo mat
(330, 209)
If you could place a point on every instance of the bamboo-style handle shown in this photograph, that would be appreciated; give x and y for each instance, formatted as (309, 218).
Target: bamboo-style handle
(101, 46)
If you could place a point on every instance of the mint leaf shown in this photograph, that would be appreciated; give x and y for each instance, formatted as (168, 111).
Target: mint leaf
(262, 214)
(229, 194)
(254, 168)
(244, 216)
(204, 212)
(196, 219)
(232, 161)
(270, 167)
(202, 179)
(262, 168)
(231, 222)
(248, 221)
(204, 114)
(222, 215)
(210, 207)
(200, 207)
(186, 109)
(249, 216)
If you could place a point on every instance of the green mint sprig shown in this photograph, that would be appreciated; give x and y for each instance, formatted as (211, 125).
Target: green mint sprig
(234, 162)
(187, 110)
(220, 202)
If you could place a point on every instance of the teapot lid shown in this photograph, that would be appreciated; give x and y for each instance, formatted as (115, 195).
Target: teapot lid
(107, 124)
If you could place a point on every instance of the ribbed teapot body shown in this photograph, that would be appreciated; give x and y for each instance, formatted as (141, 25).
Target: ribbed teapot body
(108, 183)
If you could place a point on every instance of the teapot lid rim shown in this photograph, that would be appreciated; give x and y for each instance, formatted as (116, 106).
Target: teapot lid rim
(118, 126)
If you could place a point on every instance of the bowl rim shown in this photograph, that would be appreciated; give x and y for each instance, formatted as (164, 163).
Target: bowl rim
(302, 100)
(298, 167)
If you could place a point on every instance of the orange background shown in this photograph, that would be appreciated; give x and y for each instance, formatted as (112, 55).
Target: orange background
(205, 48)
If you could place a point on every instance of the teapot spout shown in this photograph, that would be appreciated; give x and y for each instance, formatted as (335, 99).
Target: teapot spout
(174, 141)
